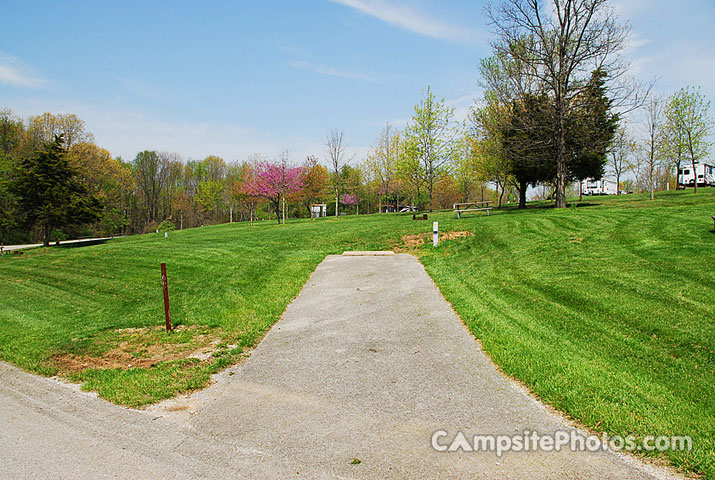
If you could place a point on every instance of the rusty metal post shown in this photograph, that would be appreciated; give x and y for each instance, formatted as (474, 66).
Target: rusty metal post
(165, 286)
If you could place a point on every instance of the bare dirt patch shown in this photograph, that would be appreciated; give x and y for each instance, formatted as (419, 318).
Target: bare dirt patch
(139, 347)
(411, 242)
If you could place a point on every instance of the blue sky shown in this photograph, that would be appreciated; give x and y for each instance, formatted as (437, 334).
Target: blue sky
(240, 77)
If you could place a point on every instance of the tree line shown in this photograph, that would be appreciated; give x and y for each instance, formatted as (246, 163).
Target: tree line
(56, 182)
(555, 111)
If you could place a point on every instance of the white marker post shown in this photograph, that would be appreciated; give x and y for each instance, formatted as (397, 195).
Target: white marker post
(166, 234)
(435, 234)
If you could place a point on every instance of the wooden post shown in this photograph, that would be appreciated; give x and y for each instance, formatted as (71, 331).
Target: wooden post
(165, 286)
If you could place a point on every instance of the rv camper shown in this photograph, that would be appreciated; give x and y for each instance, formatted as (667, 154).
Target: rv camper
(705, 173)
(598, 187)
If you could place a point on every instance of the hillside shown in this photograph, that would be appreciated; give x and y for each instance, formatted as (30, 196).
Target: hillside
(604, 310)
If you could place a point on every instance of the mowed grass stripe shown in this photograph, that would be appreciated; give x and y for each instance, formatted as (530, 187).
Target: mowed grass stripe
(606, 311)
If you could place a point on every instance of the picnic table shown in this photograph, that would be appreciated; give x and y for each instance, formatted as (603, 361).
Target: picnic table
(481, 206)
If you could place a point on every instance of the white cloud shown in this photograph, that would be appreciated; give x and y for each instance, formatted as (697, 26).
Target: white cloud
(414, 21)
(13, 72)
(462, 105)
(332, 71)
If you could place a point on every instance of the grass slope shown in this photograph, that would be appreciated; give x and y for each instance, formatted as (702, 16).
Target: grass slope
(606, 311)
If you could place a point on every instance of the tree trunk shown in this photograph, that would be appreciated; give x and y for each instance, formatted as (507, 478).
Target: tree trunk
(580, 190)
(522, 194)
(431, 201)
(677, 174)
(336, 203)
(695, 178)
(46, 233)
(561, 160)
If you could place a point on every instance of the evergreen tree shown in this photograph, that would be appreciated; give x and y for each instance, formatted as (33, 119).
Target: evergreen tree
(50, 194)
(529, 143)
(591, 127)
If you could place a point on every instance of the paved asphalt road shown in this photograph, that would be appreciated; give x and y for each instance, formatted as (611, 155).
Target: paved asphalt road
(366, 363)
(10, 248)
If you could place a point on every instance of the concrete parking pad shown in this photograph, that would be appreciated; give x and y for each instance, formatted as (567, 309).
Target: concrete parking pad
(364, 366)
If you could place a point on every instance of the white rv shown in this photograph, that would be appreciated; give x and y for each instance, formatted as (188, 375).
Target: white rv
(704, 171)
(599, 187)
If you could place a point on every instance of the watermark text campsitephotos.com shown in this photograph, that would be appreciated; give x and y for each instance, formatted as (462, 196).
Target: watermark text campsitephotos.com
(573, 440)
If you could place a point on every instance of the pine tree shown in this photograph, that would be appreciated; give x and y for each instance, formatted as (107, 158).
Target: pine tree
(49, 193)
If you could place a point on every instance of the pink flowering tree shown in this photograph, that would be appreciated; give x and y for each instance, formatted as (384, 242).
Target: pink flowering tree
(273, 181)
(349, 200)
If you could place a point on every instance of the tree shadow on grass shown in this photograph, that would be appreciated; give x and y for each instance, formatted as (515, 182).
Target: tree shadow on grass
(512, 208)
(80, 244)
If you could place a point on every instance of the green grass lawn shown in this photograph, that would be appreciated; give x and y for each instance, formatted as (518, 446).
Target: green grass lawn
(606, 311)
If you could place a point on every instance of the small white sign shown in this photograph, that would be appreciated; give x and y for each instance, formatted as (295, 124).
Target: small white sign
(435, 234)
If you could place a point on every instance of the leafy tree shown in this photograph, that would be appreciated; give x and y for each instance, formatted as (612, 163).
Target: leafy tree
(186, 208)
(382, 163)
(316, 184)
(690, 124)
(558, 49)
(49, 192)
(273, 181)
(149, 171)
(410, 173)
(11, 132)
(214, 168)
(210, 196)
(491, 157)
(465, 168)
(353, 181)
(350, 199)
(44, 128)
(446, 192)
(8, 216)
(431, 135)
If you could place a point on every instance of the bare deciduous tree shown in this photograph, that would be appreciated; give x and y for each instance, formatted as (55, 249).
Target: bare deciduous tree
(559, 49)
(337, 155)
(651, 156)
(619, 156)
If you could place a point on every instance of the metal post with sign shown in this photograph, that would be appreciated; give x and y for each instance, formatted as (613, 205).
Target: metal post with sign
(435, 234)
